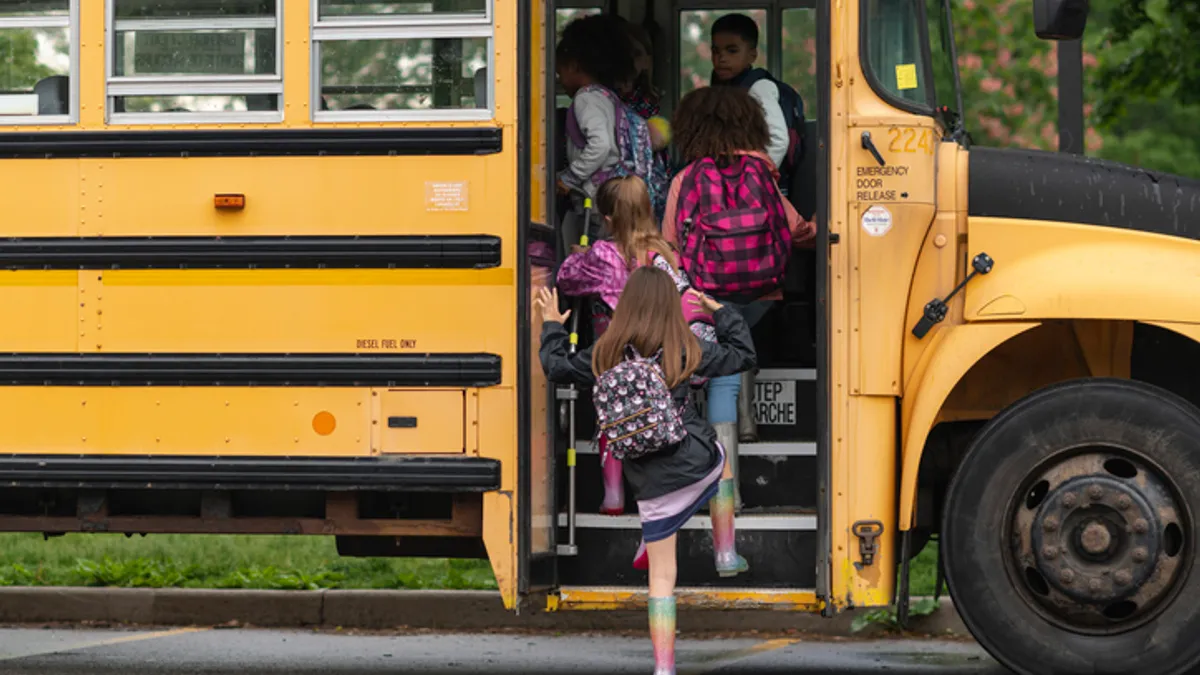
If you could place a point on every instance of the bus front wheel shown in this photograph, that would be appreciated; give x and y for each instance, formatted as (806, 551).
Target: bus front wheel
(1069, 531)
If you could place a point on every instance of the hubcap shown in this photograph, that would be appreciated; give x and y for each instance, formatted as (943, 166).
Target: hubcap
(1098, 541)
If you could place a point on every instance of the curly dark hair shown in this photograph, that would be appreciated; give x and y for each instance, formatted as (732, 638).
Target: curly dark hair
(719, 122)
(600, 46)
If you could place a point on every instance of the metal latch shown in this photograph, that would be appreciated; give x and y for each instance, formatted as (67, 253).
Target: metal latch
(935, 311)
(867, 531)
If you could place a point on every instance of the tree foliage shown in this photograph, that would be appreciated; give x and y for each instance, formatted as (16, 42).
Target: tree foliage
(1150, 53)
(20, 67)
(1136, 108)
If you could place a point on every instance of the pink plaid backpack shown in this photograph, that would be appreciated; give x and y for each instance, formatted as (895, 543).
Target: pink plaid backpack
(733, 228)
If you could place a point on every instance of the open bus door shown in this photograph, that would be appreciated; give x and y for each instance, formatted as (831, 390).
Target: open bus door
(784, 527)
(538, 250)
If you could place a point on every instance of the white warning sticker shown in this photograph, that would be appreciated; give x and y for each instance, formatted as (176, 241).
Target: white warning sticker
(446, 196)
(877, 221)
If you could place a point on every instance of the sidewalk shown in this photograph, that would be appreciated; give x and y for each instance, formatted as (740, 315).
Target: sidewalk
(435, 610)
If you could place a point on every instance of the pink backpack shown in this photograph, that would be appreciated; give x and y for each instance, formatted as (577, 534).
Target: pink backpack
(733, 227)
(602, 272)
(692, 314)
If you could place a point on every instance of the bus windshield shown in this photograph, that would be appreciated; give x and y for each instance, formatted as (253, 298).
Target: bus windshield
(910, 60)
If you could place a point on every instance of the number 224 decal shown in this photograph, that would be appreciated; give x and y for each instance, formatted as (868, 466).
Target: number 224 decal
(910, 140)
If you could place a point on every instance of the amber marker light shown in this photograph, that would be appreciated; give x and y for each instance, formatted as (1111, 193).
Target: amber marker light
(229, 202)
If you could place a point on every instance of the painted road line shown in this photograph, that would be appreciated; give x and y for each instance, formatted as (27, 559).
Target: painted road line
(720, 661)
(123, 639)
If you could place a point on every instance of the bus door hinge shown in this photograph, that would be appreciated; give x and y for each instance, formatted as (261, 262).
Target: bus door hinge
(935, 311)
(868, 532)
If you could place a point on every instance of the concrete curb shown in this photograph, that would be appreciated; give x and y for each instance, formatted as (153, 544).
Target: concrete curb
(433, 610)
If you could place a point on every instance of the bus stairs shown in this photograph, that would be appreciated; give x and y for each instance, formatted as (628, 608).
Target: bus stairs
(776, 529)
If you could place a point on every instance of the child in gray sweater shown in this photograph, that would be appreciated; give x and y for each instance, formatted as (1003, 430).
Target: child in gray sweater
(593, 57)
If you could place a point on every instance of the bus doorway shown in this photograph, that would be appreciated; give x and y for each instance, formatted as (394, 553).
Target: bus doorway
(782, 464)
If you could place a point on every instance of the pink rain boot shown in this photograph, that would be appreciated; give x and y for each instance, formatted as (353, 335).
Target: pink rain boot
(614, 484)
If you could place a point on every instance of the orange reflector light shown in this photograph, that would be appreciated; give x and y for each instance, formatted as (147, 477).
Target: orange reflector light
(235, 202)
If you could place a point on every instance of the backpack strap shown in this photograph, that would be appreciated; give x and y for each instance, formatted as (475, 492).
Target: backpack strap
(754, 76)
(573, 130)
(574, 133)
(620, 132)
(631, 352)
(687, 201)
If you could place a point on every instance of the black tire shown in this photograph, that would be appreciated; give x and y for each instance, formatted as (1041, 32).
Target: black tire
(1001, 608)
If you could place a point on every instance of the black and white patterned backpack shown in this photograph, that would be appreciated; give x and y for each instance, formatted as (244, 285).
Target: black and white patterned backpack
(636, 411)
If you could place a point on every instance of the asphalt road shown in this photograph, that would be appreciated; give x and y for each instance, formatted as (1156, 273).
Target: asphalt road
(26, 651)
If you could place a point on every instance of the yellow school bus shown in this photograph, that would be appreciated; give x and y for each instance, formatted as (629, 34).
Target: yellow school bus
(268, 268)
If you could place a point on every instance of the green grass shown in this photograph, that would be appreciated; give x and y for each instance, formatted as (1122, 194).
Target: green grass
(264, 562)
(923, 571)
(221, 561)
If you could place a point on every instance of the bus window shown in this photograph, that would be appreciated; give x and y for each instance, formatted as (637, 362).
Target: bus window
(798, 65)
(565, 15)
(193, 60)
(404, 60)
(36, 47)
(895, 60)
(695, 52)
(352, 8)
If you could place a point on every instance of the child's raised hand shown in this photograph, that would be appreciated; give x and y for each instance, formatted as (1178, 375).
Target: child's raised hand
(703, 301)
(547, 302)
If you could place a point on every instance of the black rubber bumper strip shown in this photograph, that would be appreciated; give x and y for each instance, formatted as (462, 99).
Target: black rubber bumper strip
(251, 143)
(310, 252)
(285, 370)
(1062, 187)
(408, 474)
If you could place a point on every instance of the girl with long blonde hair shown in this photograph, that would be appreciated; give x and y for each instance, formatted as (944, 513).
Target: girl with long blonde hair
(600, 272)
(670, 485)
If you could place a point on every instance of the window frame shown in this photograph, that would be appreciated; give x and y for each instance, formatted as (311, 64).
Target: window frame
(71, 23)
(191, 85)
(929, 108)
(681, 6)
(401, 27)
(773, 36)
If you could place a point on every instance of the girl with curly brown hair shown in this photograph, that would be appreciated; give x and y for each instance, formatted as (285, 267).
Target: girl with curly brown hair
(732, 226)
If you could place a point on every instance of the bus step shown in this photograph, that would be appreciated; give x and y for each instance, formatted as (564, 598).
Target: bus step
(585, 598)
(765, 519)
(772, 475)
(781, 549)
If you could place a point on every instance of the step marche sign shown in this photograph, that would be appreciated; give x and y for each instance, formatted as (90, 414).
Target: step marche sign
(775, 402)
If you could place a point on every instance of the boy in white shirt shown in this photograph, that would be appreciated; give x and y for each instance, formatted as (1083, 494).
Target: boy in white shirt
(734, 50)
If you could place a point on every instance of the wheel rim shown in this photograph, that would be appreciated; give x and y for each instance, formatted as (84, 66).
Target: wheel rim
(1099, 540)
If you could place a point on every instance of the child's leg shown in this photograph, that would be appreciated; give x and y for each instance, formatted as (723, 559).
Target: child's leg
(747, 429)
(720, 509)
(614, 484)
(722, 414)
(662, 604)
